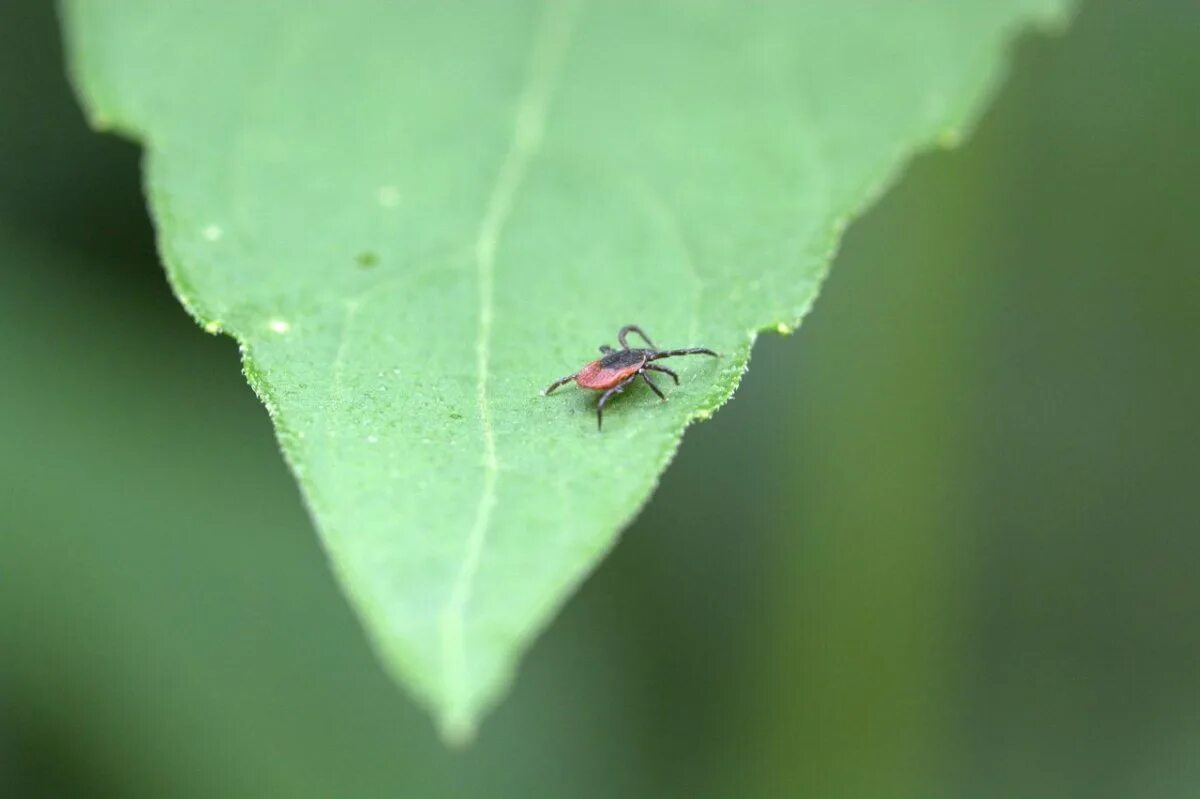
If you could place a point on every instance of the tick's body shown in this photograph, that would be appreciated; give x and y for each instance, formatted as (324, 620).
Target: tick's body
(606, 372)
(618, 368)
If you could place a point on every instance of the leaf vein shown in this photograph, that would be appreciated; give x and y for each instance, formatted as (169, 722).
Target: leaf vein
(544, 66)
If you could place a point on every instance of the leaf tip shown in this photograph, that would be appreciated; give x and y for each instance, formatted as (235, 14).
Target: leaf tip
(458, 728)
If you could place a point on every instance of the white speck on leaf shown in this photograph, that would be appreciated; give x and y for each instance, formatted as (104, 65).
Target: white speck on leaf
(213, 233)
(950, 138)
(279, 325)
(388, 196)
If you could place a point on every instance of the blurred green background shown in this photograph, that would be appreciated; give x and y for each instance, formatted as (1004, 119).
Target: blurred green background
(943, 543)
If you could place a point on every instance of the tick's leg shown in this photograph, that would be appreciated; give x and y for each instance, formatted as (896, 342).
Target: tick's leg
(687, 351)
(562, 381)
(617, 389)
(653, 387)
(664, 370)
(605, 349)
(633, 329)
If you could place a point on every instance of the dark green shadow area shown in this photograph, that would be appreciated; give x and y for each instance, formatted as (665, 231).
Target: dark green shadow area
(943, 542)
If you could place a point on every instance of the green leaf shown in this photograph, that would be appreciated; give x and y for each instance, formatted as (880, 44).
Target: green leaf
(413, 217)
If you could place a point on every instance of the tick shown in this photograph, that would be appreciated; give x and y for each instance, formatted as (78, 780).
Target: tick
(618, 368)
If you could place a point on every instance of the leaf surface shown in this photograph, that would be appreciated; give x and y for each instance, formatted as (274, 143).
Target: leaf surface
(413, 217)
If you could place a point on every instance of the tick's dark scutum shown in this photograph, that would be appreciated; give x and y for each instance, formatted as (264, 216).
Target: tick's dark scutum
(623, 359)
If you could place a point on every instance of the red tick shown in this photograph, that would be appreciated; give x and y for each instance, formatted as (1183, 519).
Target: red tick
(618, 368)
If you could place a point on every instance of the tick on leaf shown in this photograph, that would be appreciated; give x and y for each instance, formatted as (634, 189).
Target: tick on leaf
(618, 368)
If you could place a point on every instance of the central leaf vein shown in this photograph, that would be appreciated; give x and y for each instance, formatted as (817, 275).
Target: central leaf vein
(545, 63)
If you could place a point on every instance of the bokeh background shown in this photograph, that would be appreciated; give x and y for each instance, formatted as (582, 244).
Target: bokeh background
(943, 543)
